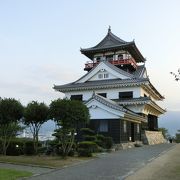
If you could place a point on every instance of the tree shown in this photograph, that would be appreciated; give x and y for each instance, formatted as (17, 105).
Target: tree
(176, 76)
(67, 114)
(35, 115)
(177, 138)
(165, 132)
(11, 111)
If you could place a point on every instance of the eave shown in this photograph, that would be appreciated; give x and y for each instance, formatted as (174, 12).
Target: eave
(100, 85)
(152, 91)
(130, 47)
(129, 115)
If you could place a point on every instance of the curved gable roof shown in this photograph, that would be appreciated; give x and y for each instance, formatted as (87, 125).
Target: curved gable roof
(112, 42)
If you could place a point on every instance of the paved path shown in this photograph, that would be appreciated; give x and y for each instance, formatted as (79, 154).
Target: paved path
(113, 166)
(165, 167)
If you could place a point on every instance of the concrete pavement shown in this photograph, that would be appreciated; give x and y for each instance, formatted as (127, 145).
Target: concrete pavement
(165, 167)
(113, 166)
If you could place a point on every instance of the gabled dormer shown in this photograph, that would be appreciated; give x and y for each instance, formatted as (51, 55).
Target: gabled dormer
(104, 71)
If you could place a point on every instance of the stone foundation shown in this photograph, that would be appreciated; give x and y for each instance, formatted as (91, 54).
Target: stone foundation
(126, 145)
(153, 137)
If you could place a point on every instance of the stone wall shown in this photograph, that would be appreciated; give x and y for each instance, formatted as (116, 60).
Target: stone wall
(153, 137)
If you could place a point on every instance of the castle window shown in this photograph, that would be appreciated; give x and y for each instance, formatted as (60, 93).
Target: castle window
(120, 56)
(106, 75)
(126, 95)
(102, 94)
(100, 76)
(103, 76)
(109, 57)
(103, 126)
(78, 97)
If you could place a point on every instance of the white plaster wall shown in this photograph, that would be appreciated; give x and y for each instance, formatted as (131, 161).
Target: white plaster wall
(111, 93)
(137, 108)
(98, 68)
(95, 77)
(100, 111)
(142, 91)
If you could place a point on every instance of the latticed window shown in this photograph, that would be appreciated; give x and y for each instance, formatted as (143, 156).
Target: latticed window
(103, 126)
(103, 76)
(77, 97)
(100, 76)
(106, 75)
(126, 95)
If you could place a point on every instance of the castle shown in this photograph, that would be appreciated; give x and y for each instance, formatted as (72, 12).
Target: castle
(117, 91)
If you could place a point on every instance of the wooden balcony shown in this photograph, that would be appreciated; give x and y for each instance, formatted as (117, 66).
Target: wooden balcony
(118, 62)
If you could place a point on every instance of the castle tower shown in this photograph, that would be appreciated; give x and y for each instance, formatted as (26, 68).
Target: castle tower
(116, 89)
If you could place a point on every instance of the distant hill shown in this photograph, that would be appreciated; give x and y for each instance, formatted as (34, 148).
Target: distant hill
(170, 121)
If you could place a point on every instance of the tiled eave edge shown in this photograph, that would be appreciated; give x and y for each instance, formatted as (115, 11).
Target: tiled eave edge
(93, 87)
(107, 103)
(134, 102)
(152, 91)
(129, 115)
(157, 107)
(144, 102)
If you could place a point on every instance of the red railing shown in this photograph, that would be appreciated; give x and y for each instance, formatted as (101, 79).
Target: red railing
(131, 61)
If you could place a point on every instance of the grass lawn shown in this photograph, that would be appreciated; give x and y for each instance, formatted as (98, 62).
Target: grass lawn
(11, 174)
(46, 161)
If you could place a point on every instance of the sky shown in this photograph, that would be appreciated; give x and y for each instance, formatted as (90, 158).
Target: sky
(40, 43)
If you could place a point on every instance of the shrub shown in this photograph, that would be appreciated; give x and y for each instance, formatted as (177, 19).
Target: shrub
(89, 138)
(104, 142)
(84, 152)
(15, 147)
(100, 140)
(100, 137)
(99, 143)
(108, 142)
(86, 148)
(29, 148)
(42, 150)
(87, 131)
(57, 148)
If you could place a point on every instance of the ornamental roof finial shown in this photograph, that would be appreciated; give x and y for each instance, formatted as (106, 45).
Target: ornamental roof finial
(109, 29)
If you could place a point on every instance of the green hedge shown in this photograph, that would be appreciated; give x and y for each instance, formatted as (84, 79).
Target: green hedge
(89, 138)
(104, 142)
(20, 146)
(29, 148)
(87, 131)
(15, 147)
(86, 148)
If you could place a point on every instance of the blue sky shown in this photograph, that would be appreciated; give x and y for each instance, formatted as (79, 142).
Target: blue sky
(40, 42)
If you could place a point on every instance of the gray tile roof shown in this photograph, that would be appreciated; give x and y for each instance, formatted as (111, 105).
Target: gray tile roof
(101, 84)
(111, 41)
(112, 104)
(108, 102)
(139, 72)
(140, 100)
(112, 67)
